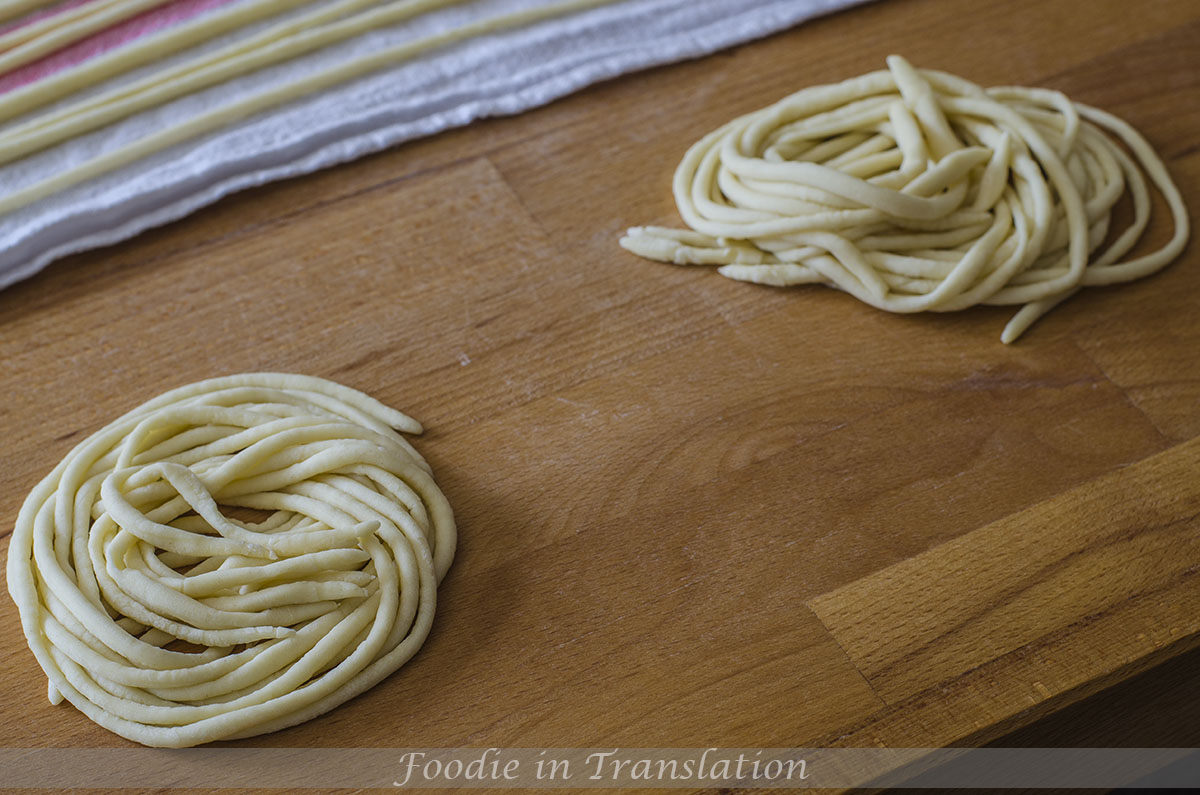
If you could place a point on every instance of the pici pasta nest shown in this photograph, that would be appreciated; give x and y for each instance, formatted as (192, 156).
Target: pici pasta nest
(171, 623)
(916, 190)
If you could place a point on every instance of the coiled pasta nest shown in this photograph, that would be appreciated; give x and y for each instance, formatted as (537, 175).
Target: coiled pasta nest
(167, 620)
(916, 190)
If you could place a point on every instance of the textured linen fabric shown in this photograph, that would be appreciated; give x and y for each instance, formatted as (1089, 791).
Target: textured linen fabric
(496, 74)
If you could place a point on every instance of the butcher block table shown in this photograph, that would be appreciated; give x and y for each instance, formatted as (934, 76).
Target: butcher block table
(692, 512)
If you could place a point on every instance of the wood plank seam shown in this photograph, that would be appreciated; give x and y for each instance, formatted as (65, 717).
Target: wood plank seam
(1168, 441)
(1035, 711)
(1013, 721)
(520, 200)
(846, 655)
(358, 192)
(1056, 701)
(1066, 631)
(282, 219)
(928, 623)
(1034, 577)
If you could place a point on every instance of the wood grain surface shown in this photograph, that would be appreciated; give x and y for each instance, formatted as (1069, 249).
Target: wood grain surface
(692, 512)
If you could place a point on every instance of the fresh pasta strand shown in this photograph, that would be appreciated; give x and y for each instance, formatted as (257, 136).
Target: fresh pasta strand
(292, 38)
(138, 53)
(106, 162)
(123, 550)
(30, 42)
(915, 190)
(11, 9)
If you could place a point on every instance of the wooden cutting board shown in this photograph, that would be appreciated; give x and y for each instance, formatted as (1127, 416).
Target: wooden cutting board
(693, 512)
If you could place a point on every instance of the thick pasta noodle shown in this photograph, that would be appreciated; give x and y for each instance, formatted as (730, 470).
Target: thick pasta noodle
(61, 114)
(171, 622)
(915, 190)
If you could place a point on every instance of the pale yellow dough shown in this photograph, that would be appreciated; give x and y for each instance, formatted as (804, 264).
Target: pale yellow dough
(309, 31)
(124, 550)
(915, 190)
(27, 43)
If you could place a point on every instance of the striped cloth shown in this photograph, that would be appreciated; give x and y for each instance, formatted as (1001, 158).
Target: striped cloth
(143, 24)
(504, 72)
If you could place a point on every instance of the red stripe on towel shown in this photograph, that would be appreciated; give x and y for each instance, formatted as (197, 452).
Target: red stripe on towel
(108, 39)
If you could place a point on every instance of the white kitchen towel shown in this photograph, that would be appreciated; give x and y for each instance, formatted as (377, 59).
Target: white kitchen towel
(500, 73)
